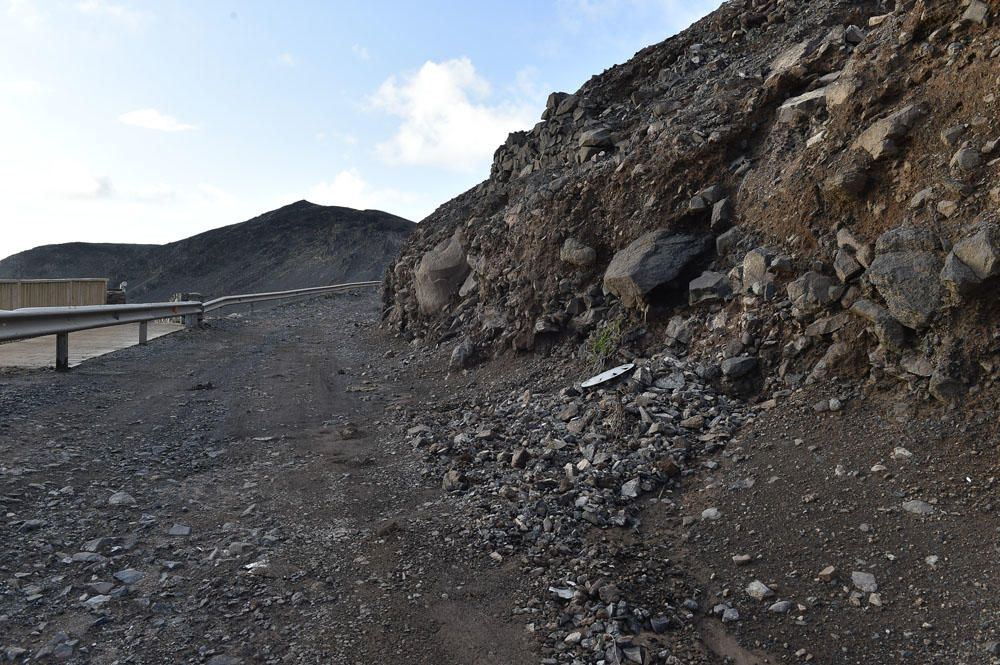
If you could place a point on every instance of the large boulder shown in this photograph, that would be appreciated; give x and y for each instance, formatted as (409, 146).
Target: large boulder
(441, 273)
(907, 274)
(654, 260)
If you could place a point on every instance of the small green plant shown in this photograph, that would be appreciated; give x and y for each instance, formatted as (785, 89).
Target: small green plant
(604, 343)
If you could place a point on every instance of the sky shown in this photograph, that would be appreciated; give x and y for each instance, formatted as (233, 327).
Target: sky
(152, 121)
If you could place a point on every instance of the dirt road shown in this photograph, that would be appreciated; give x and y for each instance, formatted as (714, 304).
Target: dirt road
(235, 494)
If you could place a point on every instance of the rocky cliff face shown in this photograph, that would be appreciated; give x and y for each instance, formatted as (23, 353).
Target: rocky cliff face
(809, 186)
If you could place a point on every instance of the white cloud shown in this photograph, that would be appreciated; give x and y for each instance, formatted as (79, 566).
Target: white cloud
(70, 180)
(153, 119)
(119, 13)
(350, 189)
(286, 60)
(361, 52)
(445, 121)
(25, 12)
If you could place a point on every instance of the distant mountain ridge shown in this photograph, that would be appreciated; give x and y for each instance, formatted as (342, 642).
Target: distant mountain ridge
(298, 245)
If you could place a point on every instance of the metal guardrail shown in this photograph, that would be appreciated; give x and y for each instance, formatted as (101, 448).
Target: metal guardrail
(61, 321)
(251, 298)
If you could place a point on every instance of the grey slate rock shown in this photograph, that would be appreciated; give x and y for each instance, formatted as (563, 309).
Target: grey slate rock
(864, 581)
(981, 251)
(653, 260)
(735, 368)
(882, 138)
(910, 284)
(709, 287)
(576, 253)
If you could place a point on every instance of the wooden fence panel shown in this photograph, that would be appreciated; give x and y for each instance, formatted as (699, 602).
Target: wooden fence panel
(15, 294)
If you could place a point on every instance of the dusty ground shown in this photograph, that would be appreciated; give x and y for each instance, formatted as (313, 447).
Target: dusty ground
(800, 491)
(318, 534)
(311, 539)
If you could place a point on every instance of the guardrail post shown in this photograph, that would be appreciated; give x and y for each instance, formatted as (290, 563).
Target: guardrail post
(62, 352)
(143, 333)
(190, 320)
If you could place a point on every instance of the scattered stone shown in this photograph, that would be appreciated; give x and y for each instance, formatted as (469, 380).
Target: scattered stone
(722, 215)
(901, 454)
(945, 387)
(813, 292)
(739, 367)
(966, 159)
(711, 514)
(977, 12)
(179, 530)
(660, 624)
(846, 266)
(462, 354)
(630, 489)
(121, 499)
(224, 660)
(918, 507)
(454, 481)
(726, 242)
(864, 581)
(861, 251)
(709, 287)
(804, 105)
(129, 576)
(958, 278)
(758, 590)
(882, 139)
(847, 185)
(888, 330)
(952, 135)
(827, 573)
(981, 250)
(96, 602)
(781, 607)
(756, 264)
(576, 253)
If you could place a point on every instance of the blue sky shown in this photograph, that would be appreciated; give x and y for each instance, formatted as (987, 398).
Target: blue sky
(151, 121)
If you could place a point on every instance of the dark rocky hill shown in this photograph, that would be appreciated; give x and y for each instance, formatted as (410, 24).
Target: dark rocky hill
(298, 245)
